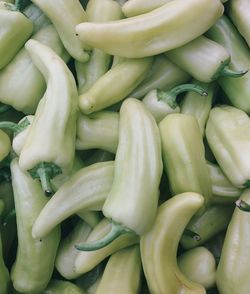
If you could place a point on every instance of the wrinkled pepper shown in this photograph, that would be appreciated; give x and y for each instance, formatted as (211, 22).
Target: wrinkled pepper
(159, 246)
(35, 258)
(228, 134)
(118, 37)
(199, 265)
(106, 91)
(123, 272)
(16, 28)
(52, 129)
(132, 202)
(184, 155)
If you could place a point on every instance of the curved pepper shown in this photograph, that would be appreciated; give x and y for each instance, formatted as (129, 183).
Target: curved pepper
(159, 246)
(199, 265)
(237, 90)
(193, 104)
(35, 259)
(106, 91)
(214, 220)
(67, 253)
(232, 274)
(238, 11)
(15, 30)
(204, 59)
(137, 7)
(184, 155)
(65, 15)
(163, 75)
(87, 189)
(132, 201)
(98, 63)
(223, 190)
(122, 273)
(62, 287)
(5, 145)
(155, 32)
(23, 77)
(98, 130)
(228, 136)
(87, 260)
(53, 128)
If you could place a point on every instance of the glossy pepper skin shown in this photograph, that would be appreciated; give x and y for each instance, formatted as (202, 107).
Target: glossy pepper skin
(238, 11)
(98, 130)
(16, 28)
(232, 272)
(106, 91)
(62, 287)
(159, 246)
(118, 37)
(199, 265)
(122, 273)
(228, 134)
(163, 75)
(87, 189)
(5, 145)
(23, 77)
(184, 155)
(89, 72)
(53, 125)
(204, 59)
(237, 90)
(65, 15)
(35, 258)
(87, 260)
(214, 220)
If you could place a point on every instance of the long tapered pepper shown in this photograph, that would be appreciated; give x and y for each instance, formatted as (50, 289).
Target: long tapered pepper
(228, 134)
(122, 273)
(56, 128)
(184, 155)
(199, 265)
(239, 13)
(163, 75)
(232, 271)
(155, 32)
(86, 189)
(15, 30)
(106, 91)
(159, 246)
(35, 258)
(204, 59)
(65, 15)
(237, 90)
(138, 170)
(87, 260)
(22, 76)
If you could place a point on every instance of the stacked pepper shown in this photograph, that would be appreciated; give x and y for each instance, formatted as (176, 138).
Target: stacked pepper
(113, 180)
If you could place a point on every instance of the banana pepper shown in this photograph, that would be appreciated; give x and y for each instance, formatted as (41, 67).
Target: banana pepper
(159, 246)
(52, 129)
(154, 32)
(62, 287)
(5, 145)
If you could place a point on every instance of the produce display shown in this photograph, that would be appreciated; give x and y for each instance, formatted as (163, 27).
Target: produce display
(124, 147)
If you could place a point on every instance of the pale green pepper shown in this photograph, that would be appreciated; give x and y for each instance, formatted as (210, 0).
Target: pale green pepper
(5, 145)
(16, 28)
(62, 287)
(154, 32)
(52, 129)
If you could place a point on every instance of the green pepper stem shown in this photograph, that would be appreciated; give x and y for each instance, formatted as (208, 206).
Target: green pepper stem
(227, 72)
(8, 217)
(4, 107)
(169, 97)
(10, 126)
(192, 234)
(116, 231)
(242, 205)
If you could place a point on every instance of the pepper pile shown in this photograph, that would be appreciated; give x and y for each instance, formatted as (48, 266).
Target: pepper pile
(125, 146)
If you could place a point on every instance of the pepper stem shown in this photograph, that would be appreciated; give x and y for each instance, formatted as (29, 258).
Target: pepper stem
(242, 205)
(116, 231)
(169, 97)
(15, 128)
(192, 234)
(227, 72)
(45, 171)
